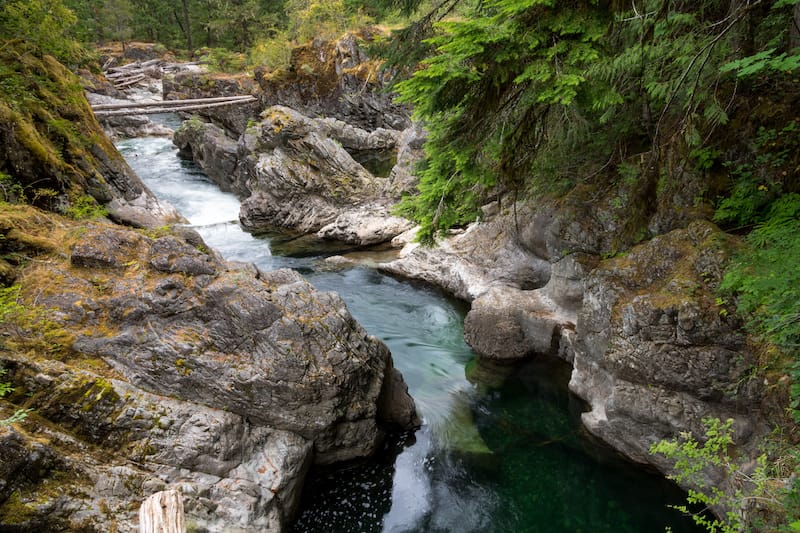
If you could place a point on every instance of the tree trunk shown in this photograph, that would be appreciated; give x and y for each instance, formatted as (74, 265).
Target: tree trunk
(744, 34)
(794, 31)
(162, 513)
(187, 27)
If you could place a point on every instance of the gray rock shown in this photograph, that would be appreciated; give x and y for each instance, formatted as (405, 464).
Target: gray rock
(301, 179)
(335, 79)
(185, 372)
(653, 354)
(364, 227)
(214, 152)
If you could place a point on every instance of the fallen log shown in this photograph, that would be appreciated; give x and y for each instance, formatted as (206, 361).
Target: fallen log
(176, 66)
(170, 103)
(123, 74)
(158, 110)
(128, 66)
(132, 81)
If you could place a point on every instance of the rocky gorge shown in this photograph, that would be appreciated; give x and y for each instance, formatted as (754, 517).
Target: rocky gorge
(144, 361)
(170, 368)
(653, 351)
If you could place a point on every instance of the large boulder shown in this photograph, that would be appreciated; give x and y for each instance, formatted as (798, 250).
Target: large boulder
(655, 353)
(153, 364)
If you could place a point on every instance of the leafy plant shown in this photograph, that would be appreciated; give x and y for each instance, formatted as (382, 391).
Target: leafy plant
(694, 459)
(20, 414)
(86, 208)
(766, 282)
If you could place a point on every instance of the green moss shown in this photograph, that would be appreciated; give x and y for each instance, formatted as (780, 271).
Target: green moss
(86, 208)
(15, 511)
(99, 389)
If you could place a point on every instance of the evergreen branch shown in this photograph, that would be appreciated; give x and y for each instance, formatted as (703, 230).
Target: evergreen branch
(707, 48)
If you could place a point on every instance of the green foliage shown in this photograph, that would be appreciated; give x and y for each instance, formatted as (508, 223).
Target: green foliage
(6, 388)
(485, 94)
(10, 190)
(43, 24)
(536, 95)
(694, 460)
(273, 53)
(222, 60)
(10, 310)
(766, 281)
(758, 183)
(86, 208)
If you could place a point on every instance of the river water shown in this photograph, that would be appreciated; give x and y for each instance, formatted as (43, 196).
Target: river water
(501, 450)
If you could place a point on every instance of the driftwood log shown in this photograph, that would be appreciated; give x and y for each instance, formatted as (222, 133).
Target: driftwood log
(162, 513)
(168, 106)
(169, 103)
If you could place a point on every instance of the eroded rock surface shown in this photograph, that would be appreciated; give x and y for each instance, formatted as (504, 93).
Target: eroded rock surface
(336, 79)
(178, 370)
(298, 173)
(654, 354)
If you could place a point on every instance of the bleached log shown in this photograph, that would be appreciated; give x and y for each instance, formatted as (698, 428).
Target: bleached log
(157, 110)
(134, 80)
(169, 103)
(162, 513)
(123, 68)
(123, 74)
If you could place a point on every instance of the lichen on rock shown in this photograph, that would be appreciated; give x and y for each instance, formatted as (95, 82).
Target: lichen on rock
(181, 371)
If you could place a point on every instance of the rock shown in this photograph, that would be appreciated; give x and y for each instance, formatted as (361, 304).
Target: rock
(507, 324)
(298, 173)
(215, 152)
(363, 227)
(76, 159)
(301, 179)
(335, 79)
(186, 373)
(467, 264)
(653, 354)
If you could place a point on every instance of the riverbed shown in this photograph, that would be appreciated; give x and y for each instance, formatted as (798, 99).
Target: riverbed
(501, 449)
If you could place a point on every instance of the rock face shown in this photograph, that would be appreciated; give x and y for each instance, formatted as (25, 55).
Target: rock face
(652, 352)
(335, 79)
(181, 371)
(57, 151)
(298, 173)
(301, 178)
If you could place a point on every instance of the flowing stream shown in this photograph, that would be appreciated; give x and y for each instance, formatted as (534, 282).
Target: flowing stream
(501, 450)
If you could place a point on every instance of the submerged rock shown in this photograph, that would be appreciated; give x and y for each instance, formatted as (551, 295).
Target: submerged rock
(182, 371)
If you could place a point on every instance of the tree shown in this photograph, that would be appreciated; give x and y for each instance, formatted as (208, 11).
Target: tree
(43, 24)
(118, 16)
(538, 94)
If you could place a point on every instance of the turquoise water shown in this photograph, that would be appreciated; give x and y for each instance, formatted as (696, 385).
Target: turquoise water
(501, 449)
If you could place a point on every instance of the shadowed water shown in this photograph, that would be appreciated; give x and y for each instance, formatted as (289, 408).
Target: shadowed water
(501, 450)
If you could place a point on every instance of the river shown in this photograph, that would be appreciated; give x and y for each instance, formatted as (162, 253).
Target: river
(500, 450)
